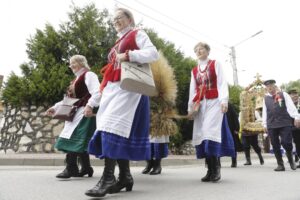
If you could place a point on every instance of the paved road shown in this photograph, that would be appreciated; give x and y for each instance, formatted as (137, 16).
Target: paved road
(175, 183)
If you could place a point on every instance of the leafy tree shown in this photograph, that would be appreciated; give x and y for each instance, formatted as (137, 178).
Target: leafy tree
(292, 85)
(88, 32)
(234, 96)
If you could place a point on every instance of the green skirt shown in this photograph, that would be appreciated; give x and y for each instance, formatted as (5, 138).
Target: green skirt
(80, 137)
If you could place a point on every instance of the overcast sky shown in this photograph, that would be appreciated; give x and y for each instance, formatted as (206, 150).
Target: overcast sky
(273, 53)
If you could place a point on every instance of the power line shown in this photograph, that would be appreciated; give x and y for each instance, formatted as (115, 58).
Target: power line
(178, 22)
(158, 21)
(165, 24)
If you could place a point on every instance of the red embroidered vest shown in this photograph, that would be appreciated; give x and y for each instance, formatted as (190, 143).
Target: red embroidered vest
(125, 43)
(206, 79)
(81, 90)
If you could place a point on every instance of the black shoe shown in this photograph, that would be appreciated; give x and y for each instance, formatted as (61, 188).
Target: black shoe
(156, 171)
(102, 188)
(71, 169)
(216, 170)
(248, 162)
(280, 165)
(89, 171)
(122, 183)
(86, 169)
(233, 162)
(279, 168)
(261, 159)
(293, 166)
(148, 167)
(125, 179)
(206, 178)
(289, 155)
(247, 156)
(156, 167)
(107, 181)
(68, 173)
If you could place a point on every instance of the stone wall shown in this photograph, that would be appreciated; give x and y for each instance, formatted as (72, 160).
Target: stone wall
(26, 129)
(185, 149)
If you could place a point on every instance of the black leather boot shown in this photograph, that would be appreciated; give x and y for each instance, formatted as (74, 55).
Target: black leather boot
(156, 167)
(216, 169)
(280, 166)
(233, 162)
(261, 159)
(206, 178)
(107, 181)
(148, 166)
(125, 179)
(71, 169)
(289, 155)
(248, 159)
(86, 168)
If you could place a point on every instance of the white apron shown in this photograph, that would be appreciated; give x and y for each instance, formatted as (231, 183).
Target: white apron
(161, 139)
(208, 122)
(70, 126)
(117, 110)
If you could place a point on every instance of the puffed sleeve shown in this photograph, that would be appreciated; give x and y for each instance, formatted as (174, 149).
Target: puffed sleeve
(146, 53)
(291, 108)
(92, 83)
(192, 92)
(221, 84)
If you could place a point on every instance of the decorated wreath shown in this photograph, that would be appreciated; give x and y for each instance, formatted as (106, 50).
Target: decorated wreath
(250, 100)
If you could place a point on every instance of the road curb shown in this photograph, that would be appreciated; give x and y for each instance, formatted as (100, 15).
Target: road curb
(58, 159)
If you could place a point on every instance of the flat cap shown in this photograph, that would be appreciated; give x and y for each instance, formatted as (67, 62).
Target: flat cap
(270, 81)
(292, 91)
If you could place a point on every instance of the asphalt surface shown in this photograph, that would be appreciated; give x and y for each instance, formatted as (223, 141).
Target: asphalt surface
(180, 179)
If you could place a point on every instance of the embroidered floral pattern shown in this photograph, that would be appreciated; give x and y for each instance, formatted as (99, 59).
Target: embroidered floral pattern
(278, 99)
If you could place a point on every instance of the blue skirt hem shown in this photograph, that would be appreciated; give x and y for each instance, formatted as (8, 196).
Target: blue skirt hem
(210, 148)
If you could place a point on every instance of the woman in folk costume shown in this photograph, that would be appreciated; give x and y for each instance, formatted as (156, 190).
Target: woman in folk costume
(75, 136)
(211, 135)
(123, 117)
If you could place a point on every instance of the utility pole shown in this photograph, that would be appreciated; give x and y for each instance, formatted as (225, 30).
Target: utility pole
(234, 68)
(233, 57)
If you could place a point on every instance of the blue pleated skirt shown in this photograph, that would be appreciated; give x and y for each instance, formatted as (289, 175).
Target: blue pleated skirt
(159, 150)
(210, 148)
(136, 147)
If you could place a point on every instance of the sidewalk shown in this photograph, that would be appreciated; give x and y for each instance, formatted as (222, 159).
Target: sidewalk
(57, 159)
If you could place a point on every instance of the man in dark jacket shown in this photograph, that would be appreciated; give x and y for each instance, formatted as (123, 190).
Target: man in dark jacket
(278, 109)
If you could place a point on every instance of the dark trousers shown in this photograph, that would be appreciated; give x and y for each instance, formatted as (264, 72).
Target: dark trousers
(296, 139)
(251, 140)
(285, 135)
